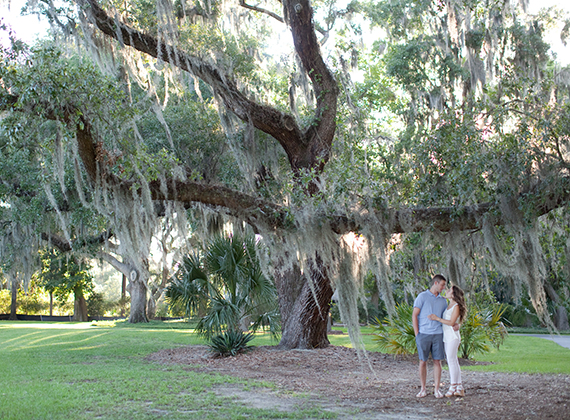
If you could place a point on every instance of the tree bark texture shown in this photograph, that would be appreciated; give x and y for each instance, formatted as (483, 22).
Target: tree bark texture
(304, 309)
(150, 307)
(137, 290)
(79, 307)
(560, 316)
(123, 293)
(14, 299)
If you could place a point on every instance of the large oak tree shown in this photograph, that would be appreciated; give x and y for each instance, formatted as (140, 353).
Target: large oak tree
(305, 287)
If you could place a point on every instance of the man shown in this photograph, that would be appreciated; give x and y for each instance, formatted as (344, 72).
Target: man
(429, 334)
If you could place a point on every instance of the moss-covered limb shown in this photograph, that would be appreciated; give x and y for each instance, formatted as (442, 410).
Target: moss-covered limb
(277, 124)
(65, 246)
(543, 198)
(247, 207)
(443, 219)
(305, 148)
(319, 136)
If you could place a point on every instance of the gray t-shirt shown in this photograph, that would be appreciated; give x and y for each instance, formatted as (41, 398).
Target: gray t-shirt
(428, 303)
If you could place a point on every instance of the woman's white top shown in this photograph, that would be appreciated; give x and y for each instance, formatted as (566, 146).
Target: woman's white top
(448, 333)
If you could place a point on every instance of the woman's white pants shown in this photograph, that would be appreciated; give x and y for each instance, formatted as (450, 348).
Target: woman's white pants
(451, 348)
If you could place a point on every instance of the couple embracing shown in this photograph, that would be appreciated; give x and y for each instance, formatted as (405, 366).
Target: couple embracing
(436, 325)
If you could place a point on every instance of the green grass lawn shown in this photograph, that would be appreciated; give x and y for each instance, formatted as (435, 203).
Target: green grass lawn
(526, 354)
(99, 371)
(82, 371)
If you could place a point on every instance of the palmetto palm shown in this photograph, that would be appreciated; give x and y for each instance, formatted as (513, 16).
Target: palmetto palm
(226, 287)
(396, 333)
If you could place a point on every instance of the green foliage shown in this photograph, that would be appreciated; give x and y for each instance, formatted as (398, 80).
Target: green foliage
(396, 333)
(230, 343)
(62, 274)
(5, 300)
(32, 302)
(405, 63)
(226, 288)
(191, 132)
(482, 329)
(522, 315)
(96, 305)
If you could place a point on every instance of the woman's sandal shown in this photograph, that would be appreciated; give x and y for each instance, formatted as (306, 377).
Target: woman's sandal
(437, 393)
(459, 391)
(421, 394)
(451, 391)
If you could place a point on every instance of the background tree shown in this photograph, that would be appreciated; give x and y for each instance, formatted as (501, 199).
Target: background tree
(63, 274)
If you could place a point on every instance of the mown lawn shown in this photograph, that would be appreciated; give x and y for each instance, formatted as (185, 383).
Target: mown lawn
(82, 371)
(527, 354)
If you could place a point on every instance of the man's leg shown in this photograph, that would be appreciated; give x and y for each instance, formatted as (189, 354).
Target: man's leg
(437, 374)
(423, 354)
(423, 374)
(438, 355)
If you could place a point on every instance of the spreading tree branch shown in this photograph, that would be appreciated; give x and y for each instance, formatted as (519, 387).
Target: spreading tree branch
(275, 16)
(305, 149)
(65, 246)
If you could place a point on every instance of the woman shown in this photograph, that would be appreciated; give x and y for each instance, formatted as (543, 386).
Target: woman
(454, 314)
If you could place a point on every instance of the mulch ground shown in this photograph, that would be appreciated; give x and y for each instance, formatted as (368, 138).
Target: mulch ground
(384, 386)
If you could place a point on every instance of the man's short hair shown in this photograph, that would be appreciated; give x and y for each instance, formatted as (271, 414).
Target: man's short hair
(437, 278)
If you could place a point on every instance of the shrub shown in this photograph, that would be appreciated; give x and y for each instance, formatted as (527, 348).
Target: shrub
(226, 288)
(32, 303)
(482, 327)
(96, 305)
(5, 301)
(397, 334)
(230, 343)
(523, 315)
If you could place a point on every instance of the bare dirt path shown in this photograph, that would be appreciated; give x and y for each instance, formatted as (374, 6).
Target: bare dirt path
(378, 386)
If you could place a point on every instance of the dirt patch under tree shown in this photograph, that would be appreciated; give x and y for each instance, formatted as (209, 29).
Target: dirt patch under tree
(378, 387)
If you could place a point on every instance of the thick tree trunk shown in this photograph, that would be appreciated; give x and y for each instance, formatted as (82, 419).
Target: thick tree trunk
(151, 307)
(560, 316)
(304, 312)
(137, 290)
(136, 287)
(14, 302)
(79, 307)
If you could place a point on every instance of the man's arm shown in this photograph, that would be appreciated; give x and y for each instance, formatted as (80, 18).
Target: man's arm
(451, 322)
(415, 321)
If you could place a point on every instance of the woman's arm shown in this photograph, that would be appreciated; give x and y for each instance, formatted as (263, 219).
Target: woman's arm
(451, 322)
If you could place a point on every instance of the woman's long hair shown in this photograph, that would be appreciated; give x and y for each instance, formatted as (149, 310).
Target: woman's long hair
(459, 297)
